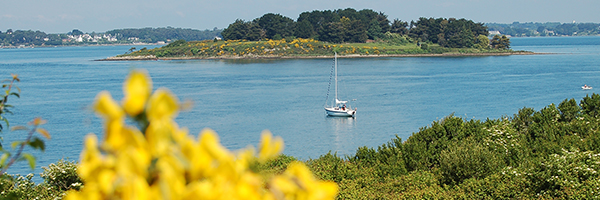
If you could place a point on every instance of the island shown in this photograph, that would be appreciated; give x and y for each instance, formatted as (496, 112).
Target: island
(350, 33)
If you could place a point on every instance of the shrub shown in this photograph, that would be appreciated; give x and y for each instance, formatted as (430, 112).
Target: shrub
(468, 160)
(509, 183)
(17, 187)
(62, 175)
(569, 110)
(591, 105)
(387, 160)
(331, 167)
(562, 175)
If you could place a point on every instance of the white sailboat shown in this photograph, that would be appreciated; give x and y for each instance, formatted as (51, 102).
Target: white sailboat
(339, 108)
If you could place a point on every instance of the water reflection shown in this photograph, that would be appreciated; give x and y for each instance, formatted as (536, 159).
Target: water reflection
(343, 133)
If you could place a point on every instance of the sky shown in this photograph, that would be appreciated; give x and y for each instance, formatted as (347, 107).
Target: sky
(62, 16)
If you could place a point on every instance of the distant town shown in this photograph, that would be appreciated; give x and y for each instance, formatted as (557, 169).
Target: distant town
(550, 29)
(28, 39)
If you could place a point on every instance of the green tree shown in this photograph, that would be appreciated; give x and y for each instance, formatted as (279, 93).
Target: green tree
(500, 42)
(274, 24)
(235, 31)
(243, 30)
(76, 32)
(355, 32)
(304, 29)
(374, 31)
(398, 26)
(332, 32)
(482, 42)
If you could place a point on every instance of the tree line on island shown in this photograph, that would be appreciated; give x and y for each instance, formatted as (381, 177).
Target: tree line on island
(352, 26)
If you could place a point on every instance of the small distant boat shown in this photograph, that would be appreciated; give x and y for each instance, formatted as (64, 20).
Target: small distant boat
(339, 109)
(586, 87)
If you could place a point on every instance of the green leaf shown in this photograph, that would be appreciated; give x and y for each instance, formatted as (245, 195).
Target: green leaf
(31, 159)
(3, 159)
(37, 143)
(15, 94)
(15, 144)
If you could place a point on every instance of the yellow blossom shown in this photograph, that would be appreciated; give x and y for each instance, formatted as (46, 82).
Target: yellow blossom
(165, 162)
(137, 89)
(107, 107)
(162, 104)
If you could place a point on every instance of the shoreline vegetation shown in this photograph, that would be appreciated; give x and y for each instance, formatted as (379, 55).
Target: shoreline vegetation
(298, 48)
(152, 57)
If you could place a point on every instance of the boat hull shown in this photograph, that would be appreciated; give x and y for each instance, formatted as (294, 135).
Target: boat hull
(340, 113)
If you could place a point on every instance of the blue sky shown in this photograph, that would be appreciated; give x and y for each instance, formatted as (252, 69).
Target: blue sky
(62, 16)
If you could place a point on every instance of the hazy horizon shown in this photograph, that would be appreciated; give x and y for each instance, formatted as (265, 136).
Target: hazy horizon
(62, 16)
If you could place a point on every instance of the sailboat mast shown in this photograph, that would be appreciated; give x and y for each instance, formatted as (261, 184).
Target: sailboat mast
(336, 87)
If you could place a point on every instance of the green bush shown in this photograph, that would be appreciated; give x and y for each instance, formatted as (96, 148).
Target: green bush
(569, 110)
(331, 167)
(591, 105)
(467, 160)
(387, 161)
(22, 187)
(62, 175)
(509, 183)
(569, 173)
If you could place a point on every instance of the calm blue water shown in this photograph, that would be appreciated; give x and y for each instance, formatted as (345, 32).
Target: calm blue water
(241, 98)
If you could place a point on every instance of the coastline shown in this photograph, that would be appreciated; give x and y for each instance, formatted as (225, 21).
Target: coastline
(78, 45)
(152, 57)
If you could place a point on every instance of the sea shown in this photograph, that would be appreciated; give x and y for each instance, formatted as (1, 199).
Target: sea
(240, 99)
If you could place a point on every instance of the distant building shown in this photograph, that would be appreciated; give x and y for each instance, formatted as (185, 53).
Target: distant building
(492, 33)
(218, 38)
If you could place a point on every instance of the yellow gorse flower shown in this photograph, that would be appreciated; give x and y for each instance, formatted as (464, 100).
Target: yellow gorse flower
(137, 89)
(163, 161)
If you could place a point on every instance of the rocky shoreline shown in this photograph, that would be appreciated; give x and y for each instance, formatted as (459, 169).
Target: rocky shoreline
(152, 57)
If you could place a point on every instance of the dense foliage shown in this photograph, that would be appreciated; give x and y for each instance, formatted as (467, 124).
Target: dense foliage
(349, 25)
(553, 153)
(517, 29)
(447, 32)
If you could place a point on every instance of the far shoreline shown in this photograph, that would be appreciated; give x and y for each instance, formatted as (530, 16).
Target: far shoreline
(151, 57)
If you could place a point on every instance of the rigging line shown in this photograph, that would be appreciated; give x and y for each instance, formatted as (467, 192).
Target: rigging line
(329, 86)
